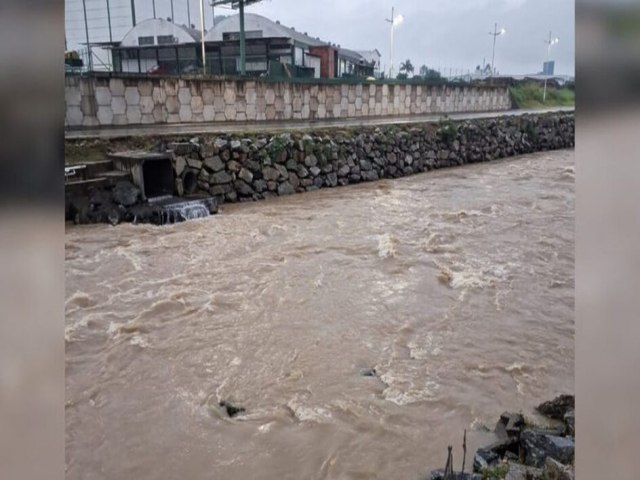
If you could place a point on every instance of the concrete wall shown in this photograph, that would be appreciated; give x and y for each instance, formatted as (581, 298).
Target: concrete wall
(103, 101)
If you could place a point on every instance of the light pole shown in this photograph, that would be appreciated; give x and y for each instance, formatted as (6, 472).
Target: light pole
(549, 43)
(204, 58)
(394, 21)
(495, 34)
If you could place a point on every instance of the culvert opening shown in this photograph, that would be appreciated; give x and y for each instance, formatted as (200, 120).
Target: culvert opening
(190, 182)
(158, 178)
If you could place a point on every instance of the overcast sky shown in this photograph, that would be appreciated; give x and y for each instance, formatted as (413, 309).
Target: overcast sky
(442, 34)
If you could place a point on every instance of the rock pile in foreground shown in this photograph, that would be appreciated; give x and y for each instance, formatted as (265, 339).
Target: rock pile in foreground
(527, 452)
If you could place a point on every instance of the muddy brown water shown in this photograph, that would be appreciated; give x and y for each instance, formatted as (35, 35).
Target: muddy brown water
(457, 286)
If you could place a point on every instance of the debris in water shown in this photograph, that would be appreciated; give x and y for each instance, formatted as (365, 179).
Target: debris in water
(232, 410)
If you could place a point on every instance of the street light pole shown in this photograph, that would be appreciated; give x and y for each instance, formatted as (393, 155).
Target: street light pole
(391, 43)
(393, 21)
(549, 43)
(243, 53)
(204, 58)
(495, 34)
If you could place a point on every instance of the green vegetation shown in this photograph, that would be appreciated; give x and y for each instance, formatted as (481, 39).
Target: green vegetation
(495, 473)
(529, 95)
(448, 130)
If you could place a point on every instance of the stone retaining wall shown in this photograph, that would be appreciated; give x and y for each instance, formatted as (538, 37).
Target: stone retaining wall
(104, 101)
(251, 168)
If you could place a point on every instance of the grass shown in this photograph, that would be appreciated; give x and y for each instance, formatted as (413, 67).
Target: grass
(495, 473)
(529, 95)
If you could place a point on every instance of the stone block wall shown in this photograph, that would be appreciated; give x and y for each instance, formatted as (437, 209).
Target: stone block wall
(103, 101)
(234, 168)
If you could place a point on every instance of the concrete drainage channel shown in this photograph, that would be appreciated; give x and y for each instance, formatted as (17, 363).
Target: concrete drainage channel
(136, 187)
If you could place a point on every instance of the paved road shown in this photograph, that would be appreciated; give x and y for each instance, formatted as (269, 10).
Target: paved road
(235, 127)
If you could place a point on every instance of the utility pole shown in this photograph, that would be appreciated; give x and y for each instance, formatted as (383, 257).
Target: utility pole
(133, 12)
(393, 21)
(495, 34)
(86, 32)
(204, 58)
(173, 19)
(188, 14)
(109, 21)
(549, 43)
(243, 53)
(390, 20)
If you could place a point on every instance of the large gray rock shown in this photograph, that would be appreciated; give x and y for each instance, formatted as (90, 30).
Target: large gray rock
(126, 193)
(285, 188)
(242, 188)
(193, 163)
(302, 171)
(343, 171)
(485, 458)
(220, 177)
(260, 186)
(311, 161)
(179, 165)
(538, 446)
(294, 180)
(370, 175)
(557, 407)
(245, 175)
(509, 425)
(284, 173)
(214, 164)
(233, 166)
(270, 173)
(315, 171)
(365, 165)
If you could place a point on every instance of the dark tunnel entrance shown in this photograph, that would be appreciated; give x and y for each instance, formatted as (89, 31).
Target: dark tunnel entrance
(158, 177)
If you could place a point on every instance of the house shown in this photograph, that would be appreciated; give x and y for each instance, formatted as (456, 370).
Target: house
(308, 55)
(157, 46)
(160, 46)
(372, 57)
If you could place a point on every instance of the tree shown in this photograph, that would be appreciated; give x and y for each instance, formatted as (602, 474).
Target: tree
(429, 73)
(406, 67)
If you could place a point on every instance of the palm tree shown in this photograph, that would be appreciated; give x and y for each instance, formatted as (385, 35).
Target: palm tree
(406, 66)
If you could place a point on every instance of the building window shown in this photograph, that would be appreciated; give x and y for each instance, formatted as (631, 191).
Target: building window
(145, 40)
(165, 39)
(247, 34)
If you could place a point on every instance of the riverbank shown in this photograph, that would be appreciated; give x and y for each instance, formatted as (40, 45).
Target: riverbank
(252, 167)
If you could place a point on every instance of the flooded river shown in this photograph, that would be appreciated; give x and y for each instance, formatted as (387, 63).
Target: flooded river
(456, 286)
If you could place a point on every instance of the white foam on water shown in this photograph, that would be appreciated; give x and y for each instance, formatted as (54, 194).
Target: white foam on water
(387, 246)
(132, 257)
(71, 329)
(404, 388)
(139, 341)
(306, 413)
(436, 243)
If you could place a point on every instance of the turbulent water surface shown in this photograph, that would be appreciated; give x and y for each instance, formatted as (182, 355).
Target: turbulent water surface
(455, 285)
